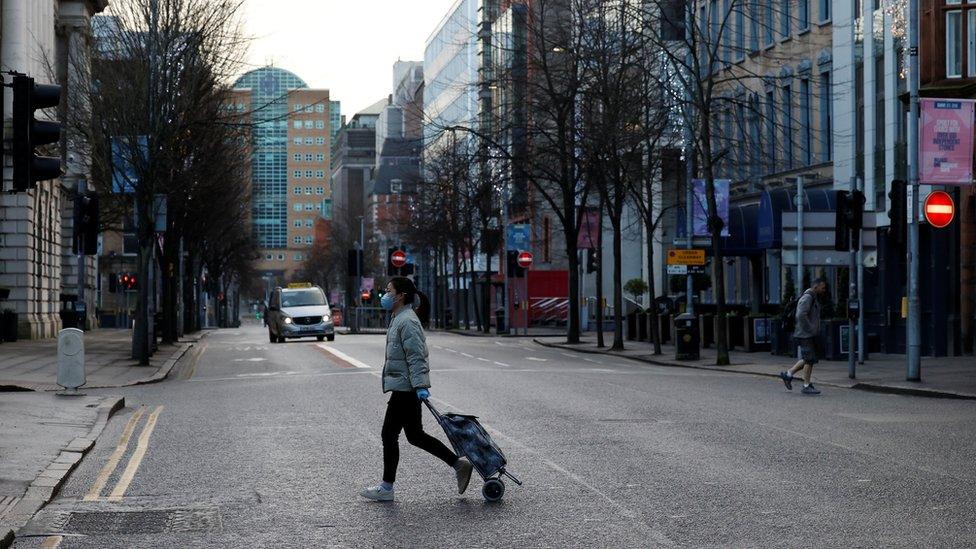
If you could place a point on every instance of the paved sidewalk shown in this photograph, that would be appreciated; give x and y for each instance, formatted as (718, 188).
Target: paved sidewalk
(43, 437)
(33, 364)
(951, 377)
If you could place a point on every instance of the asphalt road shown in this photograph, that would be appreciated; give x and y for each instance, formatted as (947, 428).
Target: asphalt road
(251, 444)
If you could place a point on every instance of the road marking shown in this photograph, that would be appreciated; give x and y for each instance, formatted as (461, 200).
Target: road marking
(437, 347)
(593, 361)
(502, 364)
(266, 374)
(253, 359)
(569, 355)
(449, 350)
(115, 457)
(51, 542)
(137, 456)
(467, 355)
(536, 359)
(196, 358)
(483, 359)
(343, 356)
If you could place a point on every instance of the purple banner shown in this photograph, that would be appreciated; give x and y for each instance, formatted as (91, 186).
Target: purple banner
(700, 210)
(946, 142)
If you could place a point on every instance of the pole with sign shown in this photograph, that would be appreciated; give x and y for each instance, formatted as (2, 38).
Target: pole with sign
(525, 261)
(914, 325)
(939, 209)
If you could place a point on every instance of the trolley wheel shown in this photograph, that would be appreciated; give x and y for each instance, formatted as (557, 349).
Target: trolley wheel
(493, 490)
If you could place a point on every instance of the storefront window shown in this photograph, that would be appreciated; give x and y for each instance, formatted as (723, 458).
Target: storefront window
(954, 44)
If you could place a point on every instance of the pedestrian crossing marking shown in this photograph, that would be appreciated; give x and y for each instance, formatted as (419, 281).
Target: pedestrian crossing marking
(343, 356)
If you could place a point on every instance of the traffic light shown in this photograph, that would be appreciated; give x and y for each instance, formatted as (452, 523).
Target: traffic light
(354, 262)
(127, 281)
(133, 284)
(511, 260)
(848, 220)
(592, 261)
(30, 133)
(897, 211)
(86, 224)
(366, 295)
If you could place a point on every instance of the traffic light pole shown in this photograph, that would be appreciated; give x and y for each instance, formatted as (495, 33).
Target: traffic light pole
(914, 325)
(852, 293)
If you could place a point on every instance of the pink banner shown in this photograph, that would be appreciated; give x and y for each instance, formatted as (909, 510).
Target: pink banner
(946, 142)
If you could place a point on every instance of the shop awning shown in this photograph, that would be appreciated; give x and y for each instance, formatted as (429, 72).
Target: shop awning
(773, 203)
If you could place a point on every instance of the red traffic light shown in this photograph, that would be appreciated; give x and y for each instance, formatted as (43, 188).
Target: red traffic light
(366, 296)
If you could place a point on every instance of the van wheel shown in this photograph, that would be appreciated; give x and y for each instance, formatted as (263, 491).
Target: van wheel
(331, 337)
(320, 338)
(271, 336)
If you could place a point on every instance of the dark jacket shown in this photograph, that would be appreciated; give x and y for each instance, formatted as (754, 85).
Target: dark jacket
(807, 316)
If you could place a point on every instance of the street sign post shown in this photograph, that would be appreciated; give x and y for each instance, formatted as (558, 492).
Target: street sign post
(398, 258)
(686, 257)
(525, 261)
(939, 209)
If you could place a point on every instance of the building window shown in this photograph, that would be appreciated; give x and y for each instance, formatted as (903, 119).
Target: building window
(308, 223)
(308, 190)
(954, 44)
(309, 108)
(309, 207)
(297, 157)
(319, 190)
(298, 107)
(740, 33)
(297, 207)
(319, 141)
(308, 240)
(281, 257)
(320, 158)
(320, 174)
(297, 174)
(971, 41)
(298, 124)
(297, 256)
(268, 257)
(297, 224)
(768, 23)
(784, 19)
(308, 157)
(803, 17)
(297, 240)
(319, 124)
(308, 140)
(318, 207)
(320, 108)
(308, 174)
(308, 124)
(770, 132)
(297, 140)
(788, 126)
(753, 25)
(805, 121)
(297, 190)
(825, 117)
(755, 149)
(824, 11)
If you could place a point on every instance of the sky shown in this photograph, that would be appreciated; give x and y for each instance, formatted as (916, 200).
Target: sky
(346, 46)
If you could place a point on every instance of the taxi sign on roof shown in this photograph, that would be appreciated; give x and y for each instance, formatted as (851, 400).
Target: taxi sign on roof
(293, 285)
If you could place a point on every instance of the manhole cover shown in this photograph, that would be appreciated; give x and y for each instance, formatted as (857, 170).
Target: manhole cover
(95, 523)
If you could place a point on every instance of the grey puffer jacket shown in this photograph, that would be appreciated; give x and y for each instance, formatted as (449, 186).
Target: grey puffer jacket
(807, 316)
(406, 367)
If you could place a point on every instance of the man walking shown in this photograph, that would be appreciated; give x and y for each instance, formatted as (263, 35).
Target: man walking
(805, 334)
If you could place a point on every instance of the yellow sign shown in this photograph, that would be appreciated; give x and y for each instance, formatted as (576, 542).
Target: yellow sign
(686, 257)
(300, 285)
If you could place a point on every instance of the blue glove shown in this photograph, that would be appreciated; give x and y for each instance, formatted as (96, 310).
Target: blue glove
(423, 394)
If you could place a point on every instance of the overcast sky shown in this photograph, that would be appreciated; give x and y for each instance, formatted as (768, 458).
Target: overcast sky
(346, 46)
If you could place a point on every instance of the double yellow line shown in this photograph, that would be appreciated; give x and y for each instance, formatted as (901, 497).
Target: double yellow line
(116, 457)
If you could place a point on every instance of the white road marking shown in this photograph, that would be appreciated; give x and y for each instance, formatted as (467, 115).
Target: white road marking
(483, 359)
(254, 359)
(569, 355)
(467, 355)
(344, 356)
(266, 374)
(536, 359)
(502, 364)
(450, 350)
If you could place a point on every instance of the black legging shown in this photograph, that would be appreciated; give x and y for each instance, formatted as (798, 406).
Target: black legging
(403, 412)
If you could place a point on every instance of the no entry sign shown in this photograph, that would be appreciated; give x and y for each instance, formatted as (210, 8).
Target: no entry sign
(525, 259)
(939, 209)
(398, 258)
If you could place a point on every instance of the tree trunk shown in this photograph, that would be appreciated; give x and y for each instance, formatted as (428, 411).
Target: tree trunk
(651, 283)
(618, 294)
(599, 280)
(486, 294)
(718, 264)
(572, 253)
(141, 349)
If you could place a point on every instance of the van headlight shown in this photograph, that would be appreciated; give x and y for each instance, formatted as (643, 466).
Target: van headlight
(287, 320)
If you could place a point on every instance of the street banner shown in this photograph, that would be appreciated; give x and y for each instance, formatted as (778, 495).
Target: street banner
(946, 141)
(518, 237)
(700, 210)
(128, 156)
(589, 234)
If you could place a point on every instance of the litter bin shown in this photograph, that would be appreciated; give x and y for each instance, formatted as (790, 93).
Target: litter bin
(686, 336)
(500, 327)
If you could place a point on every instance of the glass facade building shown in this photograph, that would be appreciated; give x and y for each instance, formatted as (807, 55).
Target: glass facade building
(270, 87)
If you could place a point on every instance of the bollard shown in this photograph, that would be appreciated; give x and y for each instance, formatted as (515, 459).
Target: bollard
(71, 361)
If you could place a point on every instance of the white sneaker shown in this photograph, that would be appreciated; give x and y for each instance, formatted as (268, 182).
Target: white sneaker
(377, 493)
(463, 472)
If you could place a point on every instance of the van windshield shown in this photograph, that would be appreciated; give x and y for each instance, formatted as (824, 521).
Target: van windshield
(303, 298)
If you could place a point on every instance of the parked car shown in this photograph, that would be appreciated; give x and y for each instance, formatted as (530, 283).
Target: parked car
(300, 310)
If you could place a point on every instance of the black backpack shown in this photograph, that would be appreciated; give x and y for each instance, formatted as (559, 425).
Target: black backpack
(788, 320)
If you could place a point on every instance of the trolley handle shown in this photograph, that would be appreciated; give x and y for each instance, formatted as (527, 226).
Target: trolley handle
(432, 409)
